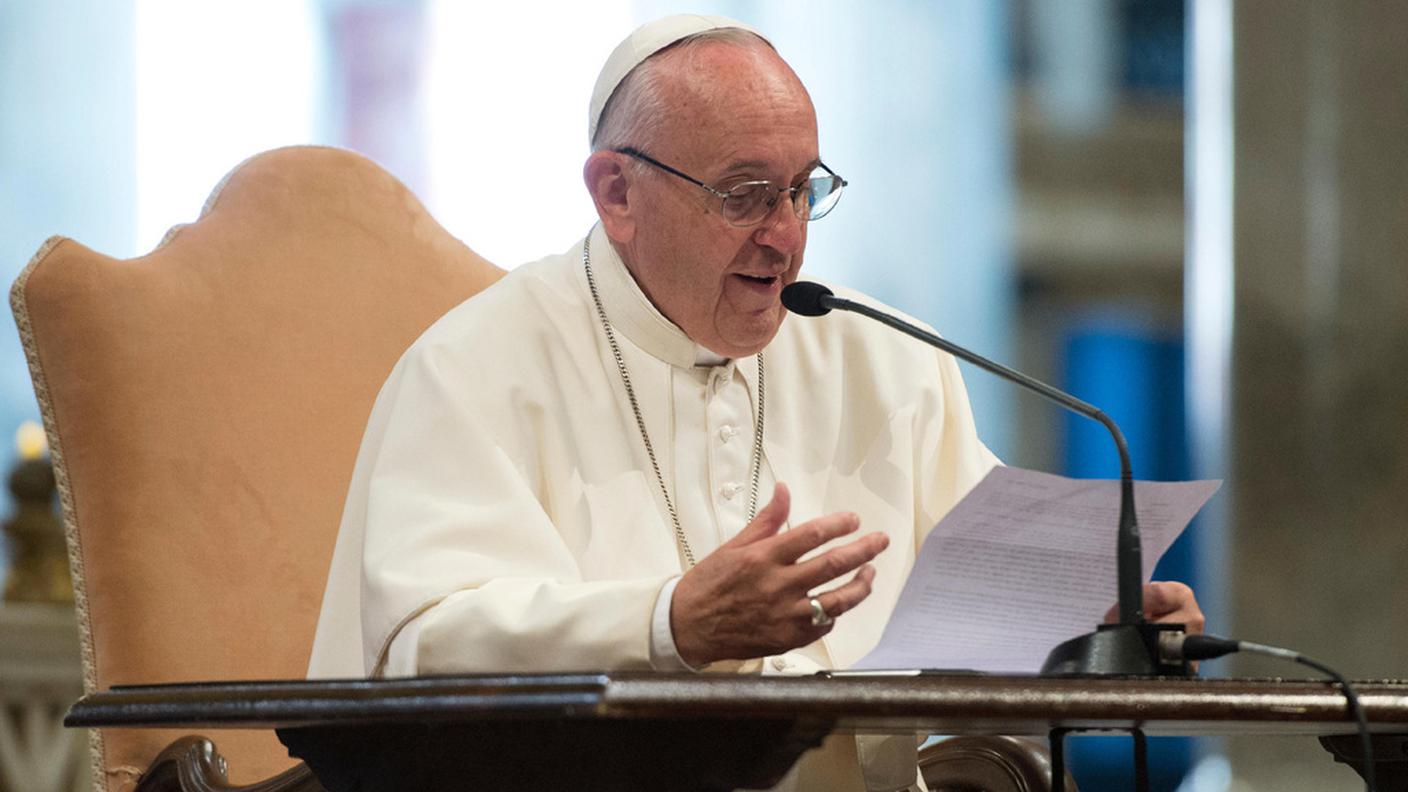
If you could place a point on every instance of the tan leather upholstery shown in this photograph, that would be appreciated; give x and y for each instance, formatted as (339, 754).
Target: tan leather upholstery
(204, 405)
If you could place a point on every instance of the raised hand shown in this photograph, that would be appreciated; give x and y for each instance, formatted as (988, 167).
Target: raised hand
(749, 598)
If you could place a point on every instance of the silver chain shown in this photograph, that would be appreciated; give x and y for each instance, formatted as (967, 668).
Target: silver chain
(757, 461)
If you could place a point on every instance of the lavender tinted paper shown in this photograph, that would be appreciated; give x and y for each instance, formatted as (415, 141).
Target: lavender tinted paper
(1024, 562)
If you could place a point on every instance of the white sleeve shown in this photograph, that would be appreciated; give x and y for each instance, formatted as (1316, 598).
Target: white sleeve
(401, 655)
(457, 543)
(664, 655)
(401, 660)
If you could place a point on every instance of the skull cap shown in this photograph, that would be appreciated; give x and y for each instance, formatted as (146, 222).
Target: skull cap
(645, 41)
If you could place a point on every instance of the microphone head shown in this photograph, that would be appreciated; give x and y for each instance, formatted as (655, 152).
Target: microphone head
(806, 298)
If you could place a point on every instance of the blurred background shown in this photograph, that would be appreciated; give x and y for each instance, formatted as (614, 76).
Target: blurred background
(1193, 213)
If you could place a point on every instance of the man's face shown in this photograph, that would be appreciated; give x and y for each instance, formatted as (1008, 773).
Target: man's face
(737, 114)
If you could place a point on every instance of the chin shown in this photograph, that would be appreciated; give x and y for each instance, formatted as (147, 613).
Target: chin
(751, 341)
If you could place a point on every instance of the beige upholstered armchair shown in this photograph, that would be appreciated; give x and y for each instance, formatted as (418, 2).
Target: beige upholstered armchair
(204, 405)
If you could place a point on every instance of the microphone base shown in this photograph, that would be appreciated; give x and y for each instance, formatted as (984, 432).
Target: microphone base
(1115, 650)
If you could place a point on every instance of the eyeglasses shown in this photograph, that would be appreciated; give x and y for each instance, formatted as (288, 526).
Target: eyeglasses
(748, 203)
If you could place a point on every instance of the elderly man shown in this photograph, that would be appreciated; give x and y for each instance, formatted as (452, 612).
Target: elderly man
(623, 458)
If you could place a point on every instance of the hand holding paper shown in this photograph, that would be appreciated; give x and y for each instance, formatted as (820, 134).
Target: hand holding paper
(1025, 561)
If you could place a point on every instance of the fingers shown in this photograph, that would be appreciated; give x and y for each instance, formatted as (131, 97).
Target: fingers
(1171, 601)
(1165, 596)
(812, 534)
(838, 561)
(768, 520)
(843, 598)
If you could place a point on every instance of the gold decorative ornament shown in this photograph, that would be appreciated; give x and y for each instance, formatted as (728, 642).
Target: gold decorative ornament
(38, 560)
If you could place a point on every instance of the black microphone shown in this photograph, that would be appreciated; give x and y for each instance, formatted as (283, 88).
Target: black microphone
(809, 299)
(1132, 645)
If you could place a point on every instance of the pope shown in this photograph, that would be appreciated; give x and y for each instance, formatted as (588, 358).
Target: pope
(622, 456)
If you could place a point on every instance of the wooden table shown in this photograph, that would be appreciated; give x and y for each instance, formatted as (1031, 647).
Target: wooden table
(665, 731)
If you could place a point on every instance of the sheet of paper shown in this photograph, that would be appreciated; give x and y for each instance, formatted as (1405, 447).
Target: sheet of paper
(1026, 561)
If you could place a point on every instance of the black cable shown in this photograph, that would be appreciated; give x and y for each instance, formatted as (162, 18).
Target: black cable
(1207, 647)
(1355, 709)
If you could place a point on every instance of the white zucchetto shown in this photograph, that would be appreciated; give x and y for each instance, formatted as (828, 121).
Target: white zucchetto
(645, 41)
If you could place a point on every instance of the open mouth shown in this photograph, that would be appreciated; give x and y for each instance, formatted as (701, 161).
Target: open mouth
(760, 280)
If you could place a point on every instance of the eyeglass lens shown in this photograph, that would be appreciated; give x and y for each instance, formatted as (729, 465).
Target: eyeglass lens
(749, 203)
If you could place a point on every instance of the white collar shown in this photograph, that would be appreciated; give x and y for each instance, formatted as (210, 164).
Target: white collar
(632, 313)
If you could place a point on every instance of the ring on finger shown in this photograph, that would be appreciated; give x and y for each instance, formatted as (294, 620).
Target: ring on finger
(820, 618)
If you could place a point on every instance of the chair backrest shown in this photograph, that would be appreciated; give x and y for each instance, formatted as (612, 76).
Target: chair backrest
(204, 405)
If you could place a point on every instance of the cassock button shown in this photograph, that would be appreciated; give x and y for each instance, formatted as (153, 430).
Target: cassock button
(730, 489)
(780, 664)
(727, 433)
(718, 380)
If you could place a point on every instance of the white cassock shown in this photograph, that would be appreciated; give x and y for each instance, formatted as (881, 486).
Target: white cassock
(503, 514)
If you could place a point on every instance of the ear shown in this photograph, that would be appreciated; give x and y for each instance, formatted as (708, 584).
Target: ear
(609, 182)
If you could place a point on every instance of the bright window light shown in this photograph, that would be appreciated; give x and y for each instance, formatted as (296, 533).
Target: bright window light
(1209, 284)
(506, 98)
(1209, 266)
(216, 83)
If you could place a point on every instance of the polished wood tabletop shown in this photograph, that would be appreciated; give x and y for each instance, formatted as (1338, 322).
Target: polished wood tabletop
(937, 703)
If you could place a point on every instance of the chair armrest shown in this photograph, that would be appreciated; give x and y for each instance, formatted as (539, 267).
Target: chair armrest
(989, 764)
(192, 764)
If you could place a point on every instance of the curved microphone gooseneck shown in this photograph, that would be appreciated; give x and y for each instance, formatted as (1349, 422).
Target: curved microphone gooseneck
(1129, 647)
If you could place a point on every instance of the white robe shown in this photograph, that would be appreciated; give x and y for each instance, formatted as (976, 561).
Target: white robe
(503, 501)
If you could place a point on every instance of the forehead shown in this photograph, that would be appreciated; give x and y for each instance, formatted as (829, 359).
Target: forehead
(726, 103)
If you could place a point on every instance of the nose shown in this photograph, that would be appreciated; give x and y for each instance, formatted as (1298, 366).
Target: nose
(782, 229)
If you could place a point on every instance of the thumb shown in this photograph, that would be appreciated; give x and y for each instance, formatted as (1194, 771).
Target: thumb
(770, 518)
(1113, 614)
